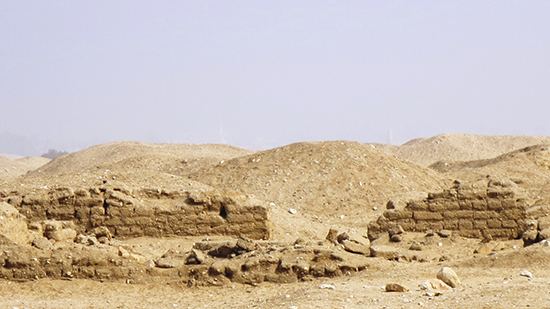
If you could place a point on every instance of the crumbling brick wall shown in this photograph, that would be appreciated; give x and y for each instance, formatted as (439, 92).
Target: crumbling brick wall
(484, 209)
(147, 212)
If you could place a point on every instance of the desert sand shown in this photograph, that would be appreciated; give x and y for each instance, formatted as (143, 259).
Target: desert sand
(140, 225)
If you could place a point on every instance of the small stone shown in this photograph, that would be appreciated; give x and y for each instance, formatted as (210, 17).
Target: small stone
(292, 211)
(42, 243)
(396, 287)
(448, 276)
(415, 246)
(355, 247)
(332, 235)
(435, 284)
(444, 233)
(327, 286)
(386, 252)
(343, 236)
(195, 257)
(396, 230)
(526, 273)
(395, 238)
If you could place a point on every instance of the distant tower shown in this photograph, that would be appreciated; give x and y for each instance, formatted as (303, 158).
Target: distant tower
(390, 137)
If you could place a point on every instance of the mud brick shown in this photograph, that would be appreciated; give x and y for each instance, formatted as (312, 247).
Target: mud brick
(465, 204)
(465, 224)
(452, 206)
(143, 211)
(426, 215)
(471, 194)
(123, 231)
(417, 205)
(495, 192)
(152, 231)
(110, 211)
(407, 224)
(515, 233)
(422, 226)
(509, 224)
(494, 204)
(494, 223)
(485, 214)
(470, 233)
(508, 203)
(479, 204)
(143, 221)
(500, 233)
(444, 195)
(435, 225)
(450, 224)
(436, 205)
(459, 214)
(127, 212)
(480, 224)
(395, 214)
(514, 214)
(81, 212)
(89, 201)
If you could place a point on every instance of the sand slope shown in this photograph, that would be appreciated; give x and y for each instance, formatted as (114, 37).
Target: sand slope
(10, 168)
(460, 147)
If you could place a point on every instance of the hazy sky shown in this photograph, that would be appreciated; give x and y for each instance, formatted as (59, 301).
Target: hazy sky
(261, 74)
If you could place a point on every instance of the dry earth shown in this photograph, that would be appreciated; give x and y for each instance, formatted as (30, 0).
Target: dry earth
(309, 188)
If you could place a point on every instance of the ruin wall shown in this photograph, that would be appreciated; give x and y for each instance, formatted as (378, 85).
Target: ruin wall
(485, 209)
(147, 212)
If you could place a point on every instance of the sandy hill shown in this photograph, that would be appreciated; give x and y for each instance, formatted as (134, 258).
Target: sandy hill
(322, 178)
(529, 167)
(137, 156)
(460, 147)
(10, 168)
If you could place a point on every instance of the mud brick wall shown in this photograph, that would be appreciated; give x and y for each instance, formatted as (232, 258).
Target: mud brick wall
(147, 212)
(485, 209)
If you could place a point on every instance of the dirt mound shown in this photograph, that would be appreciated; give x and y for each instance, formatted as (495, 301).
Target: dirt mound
(10, 168)
(175, 159)
(323, 179)
(528, 167)
(460, 147)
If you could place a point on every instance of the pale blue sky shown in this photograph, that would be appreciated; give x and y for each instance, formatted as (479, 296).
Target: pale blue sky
(269, 73)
